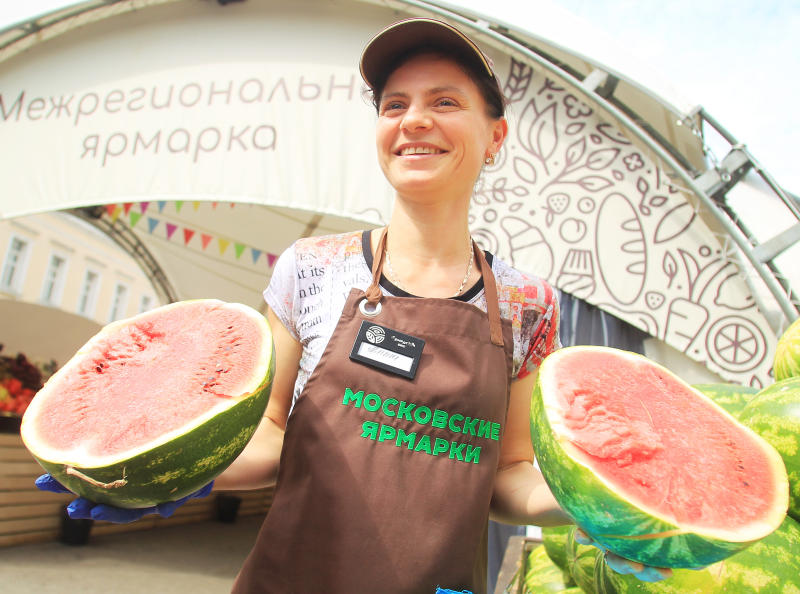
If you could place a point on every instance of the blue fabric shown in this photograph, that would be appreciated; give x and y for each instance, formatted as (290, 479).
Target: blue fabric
(645, 573)
(446, 591)
(83, 509)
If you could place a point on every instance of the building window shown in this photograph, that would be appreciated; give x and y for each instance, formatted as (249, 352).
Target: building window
(54, 280)
(119, 302)
(146, 303)
(14, 266)
(88, 297)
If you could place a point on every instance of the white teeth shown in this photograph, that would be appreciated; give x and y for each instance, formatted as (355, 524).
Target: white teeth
(420, 150)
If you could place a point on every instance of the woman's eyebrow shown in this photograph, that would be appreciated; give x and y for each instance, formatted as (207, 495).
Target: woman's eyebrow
(433, 91)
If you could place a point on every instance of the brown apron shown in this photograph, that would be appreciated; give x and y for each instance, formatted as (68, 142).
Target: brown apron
(385, 482)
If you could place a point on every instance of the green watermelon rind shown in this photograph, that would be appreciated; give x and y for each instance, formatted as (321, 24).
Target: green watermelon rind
(786, 362)
(554, 539)
(603, 513)
(732, 397)
(769, 566)
(172, 468)
(542, 575)
(775, 415)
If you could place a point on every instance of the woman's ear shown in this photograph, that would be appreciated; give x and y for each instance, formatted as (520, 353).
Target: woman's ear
(499, 133)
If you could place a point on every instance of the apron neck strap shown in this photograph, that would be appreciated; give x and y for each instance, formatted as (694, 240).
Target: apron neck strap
(373, 292)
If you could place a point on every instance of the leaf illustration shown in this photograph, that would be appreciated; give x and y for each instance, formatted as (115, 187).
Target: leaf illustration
(674, 222)
(546, 132)
(692, 269)
(519, 79)
(601, 158)
(520, 191)
(670, 267)
(525, 170)
(594, 183)
(575, 151)
(499, 190)
(656, 201)
(574, 128)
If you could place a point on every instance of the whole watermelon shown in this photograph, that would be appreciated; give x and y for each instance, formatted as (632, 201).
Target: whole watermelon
(581, 561)
(787, 353)
(542, 575)
(554, 539)
(769, 566)
(731, 397)
(775, 415)
(651, 468)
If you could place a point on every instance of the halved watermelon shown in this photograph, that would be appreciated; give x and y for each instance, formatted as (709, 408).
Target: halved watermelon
(786, 362)
(155, 406)
(650, 467)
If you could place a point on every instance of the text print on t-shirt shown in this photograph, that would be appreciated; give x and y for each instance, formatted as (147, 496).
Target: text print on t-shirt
(419, 415)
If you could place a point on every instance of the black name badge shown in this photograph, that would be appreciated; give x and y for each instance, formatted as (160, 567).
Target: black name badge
(387, 349)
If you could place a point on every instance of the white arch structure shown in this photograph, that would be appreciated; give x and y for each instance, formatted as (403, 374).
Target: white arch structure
(216, 133)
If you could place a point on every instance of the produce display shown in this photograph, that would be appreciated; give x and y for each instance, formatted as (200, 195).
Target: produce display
(787, 353)
(581, 561)
(154, 407)
(775, 415)
(769, 566)
(653, 469)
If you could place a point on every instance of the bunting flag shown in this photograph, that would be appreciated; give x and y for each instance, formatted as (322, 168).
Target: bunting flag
(114, 211)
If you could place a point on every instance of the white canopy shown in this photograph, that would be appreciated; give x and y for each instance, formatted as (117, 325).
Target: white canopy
(218, 134)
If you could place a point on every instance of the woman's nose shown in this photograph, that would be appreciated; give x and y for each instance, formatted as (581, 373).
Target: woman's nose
(416, 118)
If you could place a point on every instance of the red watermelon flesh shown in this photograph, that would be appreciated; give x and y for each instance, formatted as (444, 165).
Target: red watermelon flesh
(669, 450)
(117, 395)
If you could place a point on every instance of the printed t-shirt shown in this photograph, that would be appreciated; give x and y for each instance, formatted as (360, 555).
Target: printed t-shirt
(313, 277)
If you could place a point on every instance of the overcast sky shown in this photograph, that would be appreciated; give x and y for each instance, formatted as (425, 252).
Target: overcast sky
(740, 59)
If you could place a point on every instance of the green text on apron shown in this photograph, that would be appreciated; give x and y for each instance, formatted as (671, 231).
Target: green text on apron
(385, 482)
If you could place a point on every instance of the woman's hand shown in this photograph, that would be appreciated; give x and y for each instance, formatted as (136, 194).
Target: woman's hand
(84, 509)
(645, 573)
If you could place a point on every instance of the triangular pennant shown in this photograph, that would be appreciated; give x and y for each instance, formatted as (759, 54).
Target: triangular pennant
(151, 224)
(135, 216)
(187, 236)
(214, 205)
(161, 205)
(127, 207)
(196, 204)
(115, 214)
(256, 254)
(233, 204)
(110, 208)
(205, 238)
(223, 245)
(143, 206)
(271, 259)
(178, 205)
(239, 247)
(170, 230)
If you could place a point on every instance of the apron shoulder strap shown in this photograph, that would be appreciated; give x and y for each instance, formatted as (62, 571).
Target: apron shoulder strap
(373, 292)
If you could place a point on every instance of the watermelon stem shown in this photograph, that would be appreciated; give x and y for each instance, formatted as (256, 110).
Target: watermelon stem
(112, 485)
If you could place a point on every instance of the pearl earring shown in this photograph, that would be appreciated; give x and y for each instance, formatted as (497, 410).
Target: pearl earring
(489, 160)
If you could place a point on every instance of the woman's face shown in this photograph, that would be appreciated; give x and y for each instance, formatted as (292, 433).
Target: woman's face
(433, 132)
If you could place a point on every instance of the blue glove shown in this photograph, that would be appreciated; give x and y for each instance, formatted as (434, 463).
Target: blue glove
(83, 509)
(645, 573)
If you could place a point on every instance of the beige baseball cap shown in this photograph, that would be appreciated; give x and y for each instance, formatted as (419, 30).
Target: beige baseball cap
(383, 50)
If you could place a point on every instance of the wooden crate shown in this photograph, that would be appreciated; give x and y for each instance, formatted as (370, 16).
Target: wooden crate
(29, 515)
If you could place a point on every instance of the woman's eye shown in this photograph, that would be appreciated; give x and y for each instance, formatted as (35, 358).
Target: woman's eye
(392, 106)
(445, 102)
